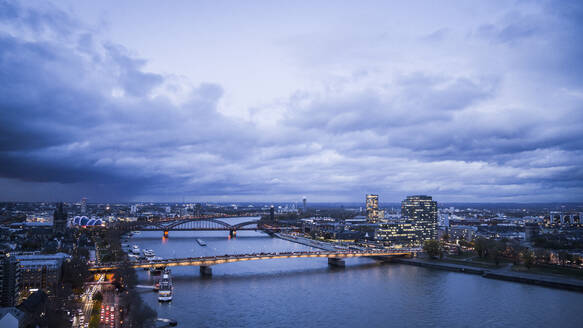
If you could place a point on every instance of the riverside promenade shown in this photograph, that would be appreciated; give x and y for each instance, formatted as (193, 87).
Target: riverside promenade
(502, 273)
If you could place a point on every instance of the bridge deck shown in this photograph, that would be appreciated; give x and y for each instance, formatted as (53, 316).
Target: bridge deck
(212, 260)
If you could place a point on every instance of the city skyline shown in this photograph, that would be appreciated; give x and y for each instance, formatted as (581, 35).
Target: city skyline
(464, 102)
(291, 164)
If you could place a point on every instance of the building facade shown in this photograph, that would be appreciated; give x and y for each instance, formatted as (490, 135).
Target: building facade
(397, 233)
(372, 208)
(9, 280)
(422, 211)
(462, 232)
(39, 272)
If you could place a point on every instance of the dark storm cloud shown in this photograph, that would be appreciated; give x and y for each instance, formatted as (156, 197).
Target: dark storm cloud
(487, 109)
(61, 124)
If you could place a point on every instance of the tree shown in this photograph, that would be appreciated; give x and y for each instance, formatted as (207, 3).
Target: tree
(83, 252)
(494, 250)
(141, 314)
(98, 296)
(125, 275)
(95, 311)
(432, 248)
(445, 237)
(76, 272)
(528, 258)
(481, 246)
(542, 255)
(564, 256)
(515, 251)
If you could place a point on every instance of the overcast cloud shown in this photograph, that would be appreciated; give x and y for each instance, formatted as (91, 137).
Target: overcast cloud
(273, 101)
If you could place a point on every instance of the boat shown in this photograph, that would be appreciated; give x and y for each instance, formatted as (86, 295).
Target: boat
(169, 322)
(135, 249)
(133, 257)
(149, 254)
(165, 291)
(200, 242)
(153, 269)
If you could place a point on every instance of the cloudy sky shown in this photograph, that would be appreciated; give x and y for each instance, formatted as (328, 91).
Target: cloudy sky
(275, 100)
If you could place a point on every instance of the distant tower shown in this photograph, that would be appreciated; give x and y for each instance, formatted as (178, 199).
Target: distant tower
(83, 205)
(59, 219)
(372, 208)
(305, 204)
(272, 213)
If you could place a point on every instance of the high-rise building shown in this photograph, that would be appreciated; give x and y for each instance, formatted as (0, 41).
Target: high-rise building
(59, 219)
(422, 211)
(372, 208)
(305, 205)
(530, 231)
(9, 280)
(272, 213)
(83, 205)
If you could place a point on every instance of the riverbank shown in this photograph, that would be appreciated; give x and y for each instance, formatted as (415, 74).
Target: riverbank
(503, 273)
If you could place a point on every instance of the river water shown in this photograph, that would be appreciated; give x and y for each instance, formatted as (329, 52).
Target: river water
(307, 293)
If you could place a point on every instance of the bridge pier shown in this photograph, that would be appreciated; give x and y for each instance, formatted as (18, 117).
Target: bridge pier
(232, 233)
(165, 233)
(206, 271)
(336, 262)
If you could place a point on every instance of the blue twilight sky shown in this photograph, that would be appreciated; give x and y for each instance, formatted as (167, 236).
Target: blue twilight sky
(275, 100)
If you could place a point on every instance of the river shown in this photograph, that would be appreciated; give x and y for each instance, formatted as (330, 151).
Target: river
(307, 293)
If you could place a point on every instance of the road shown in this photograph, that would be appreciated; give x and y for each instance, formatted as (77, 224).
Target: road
(83, 317)
(110, 309)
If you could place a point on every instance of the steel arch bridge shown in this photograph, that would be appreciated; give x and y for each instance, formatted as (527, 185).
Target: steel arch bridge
(197, 225)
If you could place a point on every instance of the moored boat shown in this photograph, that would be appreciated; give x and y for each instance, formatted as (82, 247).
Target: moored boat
(200, 242)
(165, 289)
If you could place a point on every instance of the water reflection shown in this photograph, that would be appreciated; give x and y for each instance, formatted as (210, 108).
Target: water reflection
(307, 293)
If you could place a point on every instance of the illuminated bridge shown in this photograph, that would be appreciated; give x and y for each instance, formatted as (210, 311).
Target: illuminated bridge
(335, 258)
(195, 224)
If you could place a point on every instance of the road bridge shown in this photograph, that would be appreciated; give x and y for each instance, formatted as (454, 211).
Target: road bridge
(335, 258)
